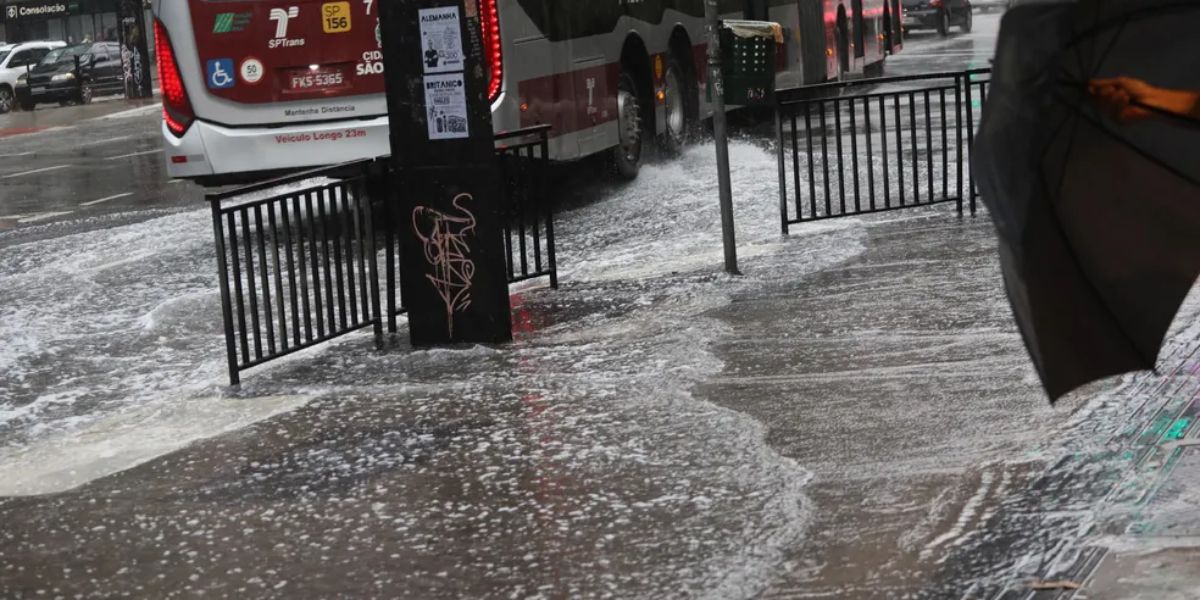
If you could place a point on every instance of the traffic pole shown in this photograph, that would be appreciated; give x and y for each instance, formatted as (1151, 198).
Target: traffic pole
(445, 190)
(720, 134)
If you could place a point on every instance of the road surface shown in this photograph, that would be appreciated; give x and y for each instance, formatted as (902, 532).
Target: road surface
(853, 418)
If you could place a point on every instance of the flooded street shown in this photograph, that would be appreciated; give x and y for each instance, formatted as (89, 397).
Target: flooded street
(853, 417)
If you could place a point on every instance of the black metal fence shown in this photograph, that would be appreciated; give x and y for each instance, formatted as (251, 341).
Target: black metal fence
(298, 259)
(297, 266)
(877, 145)
(529, 218)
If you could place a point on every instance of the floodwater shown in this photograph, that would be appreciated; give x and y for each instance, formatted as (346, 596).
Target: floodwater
(577, 459)
(853, 417)
(846, 419)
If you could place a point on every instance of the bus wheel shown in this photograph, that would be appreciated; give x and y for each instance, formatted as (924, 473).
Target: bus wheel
(627, 156)
(677, 89)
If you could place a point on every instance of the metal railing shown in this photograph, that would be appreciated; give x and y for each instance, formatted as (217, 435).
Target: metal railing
(298, 257)
(524, 157)
(877, 145)
(297, 267)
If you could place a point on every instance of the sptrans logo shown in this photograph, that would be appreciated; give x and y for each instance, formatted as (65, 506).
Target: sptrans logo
(282, 18)
(12, 12)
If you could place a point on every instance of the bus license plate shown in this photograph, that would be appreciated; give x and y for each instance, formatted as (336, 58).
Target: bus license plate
(320, 79)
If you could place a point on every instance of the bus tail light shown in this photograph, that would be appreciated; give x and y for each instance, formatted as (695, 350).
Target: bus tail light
(177, 110)
(492, 52)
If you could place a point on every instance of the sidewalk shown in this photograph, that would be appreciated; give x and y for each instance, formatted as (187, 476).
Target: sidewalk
(855, 417)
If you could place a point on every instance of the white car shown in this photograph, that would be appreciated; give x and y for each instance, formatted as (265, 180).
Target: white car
(14, 58)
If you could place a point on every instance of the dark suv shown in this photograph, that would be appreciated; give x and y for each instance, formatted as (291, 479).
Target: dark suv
(937, 14)
(72, 75)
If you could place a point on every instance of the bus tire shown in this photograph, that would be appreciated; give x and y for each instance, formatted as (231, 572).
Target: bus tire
(680, 95)
(627, 155)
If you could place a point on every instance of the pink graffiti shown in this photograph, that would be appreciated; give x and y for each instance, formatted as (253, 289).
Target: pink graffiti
(446, 250)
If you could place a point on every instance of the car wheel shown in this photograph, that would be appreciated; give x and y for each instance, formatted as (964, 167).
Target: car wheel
(678, 95)
(6, 99)
(627, 155)
(943, 25)
(966, 22)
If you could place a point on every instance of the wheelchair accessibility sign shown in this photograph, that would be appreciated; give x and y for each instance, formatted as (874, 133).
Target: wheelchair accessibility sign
(220, 73)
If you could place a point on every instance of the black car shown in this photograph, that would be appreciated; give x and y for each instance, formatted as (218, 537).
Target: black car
(72, 75)
(937, 14)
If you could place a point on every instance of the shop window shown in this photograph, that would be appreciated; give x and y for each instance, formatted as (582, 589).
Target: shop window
(56, 29)
(107, 30)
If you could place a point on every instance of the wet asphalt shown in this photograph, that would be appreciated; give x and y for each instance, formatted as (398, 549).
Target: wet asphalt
(65, 166)
(854, 417)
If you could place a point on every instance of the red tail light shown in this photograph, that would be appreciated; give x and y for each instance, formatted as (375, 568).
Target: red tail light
(177, 110)
(492, 53)
(935, 3)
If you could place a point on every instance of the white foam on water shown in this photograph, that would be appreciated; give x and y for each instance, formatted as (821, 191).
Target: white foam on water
(114, 443)
(114, 355)
(668, 220)
(110, 337)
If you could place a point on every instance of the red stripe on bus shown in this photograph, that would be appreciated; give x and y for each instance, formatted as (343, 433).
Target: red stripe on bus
(571, 101)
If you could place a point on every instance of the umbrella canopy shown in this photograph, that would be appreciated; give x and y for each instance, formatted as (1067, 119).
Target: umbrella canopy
(1098, 216)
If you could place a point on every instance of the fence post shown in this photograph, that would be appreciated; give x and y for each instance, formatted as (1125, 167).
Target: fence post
(783, 216)
(551, 256)
(970, 141)
(958, 137)
(226, 301)
(366, 199)
(720, 134)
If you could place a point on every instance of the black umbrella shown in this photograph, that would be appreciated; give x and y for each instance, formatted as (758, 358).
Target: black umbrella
(1098, 216)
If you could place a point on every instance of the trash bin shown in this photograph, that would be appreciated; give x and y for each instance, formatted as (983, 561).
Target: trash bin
(748, 59)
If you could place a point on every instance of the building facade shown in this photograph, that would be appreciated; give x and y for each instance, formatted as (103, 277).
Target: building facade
(71, 21)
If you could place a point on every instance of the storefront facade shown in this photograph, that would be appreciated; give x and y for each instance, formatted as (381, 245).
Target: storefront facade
(86, 21)
(71, 21)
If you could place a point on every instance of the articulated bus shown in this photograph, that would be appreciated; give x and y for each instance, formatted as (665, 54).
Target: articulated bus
(257, 86)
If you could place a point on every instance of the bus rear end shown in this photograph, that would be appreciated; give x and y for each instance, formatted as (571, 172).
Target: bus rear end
(256, 86)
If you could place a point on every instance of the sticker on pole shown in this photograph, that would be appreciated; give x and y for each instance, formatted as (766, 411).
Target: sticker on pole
(446, 101)
(441, 39)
